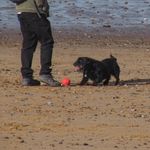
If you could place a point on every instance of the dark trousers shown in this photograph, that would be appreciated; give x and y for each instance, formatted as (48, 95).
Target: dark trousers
(35, 29)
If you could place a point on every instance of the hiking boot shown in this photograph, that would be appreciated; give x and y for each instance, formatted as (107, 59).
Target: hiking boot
(48, 80)
(30, 82)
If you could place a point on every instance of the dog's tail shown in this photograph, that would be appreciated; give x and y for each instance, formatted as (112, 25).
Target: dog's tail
(112, 57)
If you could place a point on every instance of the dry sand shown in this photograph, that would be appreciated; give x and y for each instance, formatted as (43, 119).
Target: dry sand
(75, 117)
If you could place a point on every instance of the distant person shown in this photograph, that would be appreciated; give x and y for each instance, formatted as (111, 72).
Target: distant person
(32, 15)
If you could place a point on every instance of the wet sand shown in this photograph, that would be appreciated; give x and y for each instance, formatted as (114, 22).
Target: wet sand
(74, 117)
(105, 22)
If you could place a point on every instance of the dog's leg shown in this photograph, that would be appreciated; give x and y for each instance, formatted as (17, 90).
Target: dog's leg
(116, 75)
(117, 80)
(106, 81)
(84, 81)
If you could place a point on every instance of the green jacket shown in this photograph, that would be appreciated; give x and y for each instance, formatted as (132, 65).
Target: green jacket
(35, 6)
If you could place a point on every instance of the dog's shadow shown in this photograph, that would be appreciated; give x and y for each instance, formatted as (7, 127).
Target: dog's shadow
(132, 82)
(135, 82)
(123, 82)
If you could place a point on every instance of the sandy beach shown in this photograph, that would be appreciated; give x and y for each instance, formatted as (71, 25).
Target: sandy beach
(74, 117)
(77, 117)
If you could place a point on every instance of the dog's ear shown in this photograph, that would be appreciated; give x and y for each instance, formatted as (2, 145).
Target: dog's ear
(87, 60)
(79, 60)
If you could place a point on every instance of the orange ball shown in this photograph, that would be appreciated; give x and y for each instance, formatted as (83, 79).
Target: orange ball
(65, 82)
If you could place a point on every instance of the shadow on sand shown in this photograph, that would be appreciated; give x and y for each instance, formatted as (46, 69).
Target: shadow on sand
(135, 82)
(122, 83)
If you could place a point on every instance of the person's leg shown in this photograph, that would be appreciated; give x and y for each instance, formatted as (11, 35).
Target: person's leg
(28, 46)
(27, 55)
(46, 39)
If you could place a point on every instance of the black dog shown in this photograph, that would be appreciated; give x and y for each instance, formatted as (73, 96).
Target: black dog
(98, 71)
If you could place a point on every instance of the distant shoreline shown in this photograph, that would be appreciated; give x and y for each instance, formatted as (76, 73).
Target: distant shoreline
(103, 36)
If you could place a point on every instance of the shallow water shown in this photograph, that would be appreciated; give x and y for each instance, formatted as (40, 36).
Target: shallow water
(86, 13)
